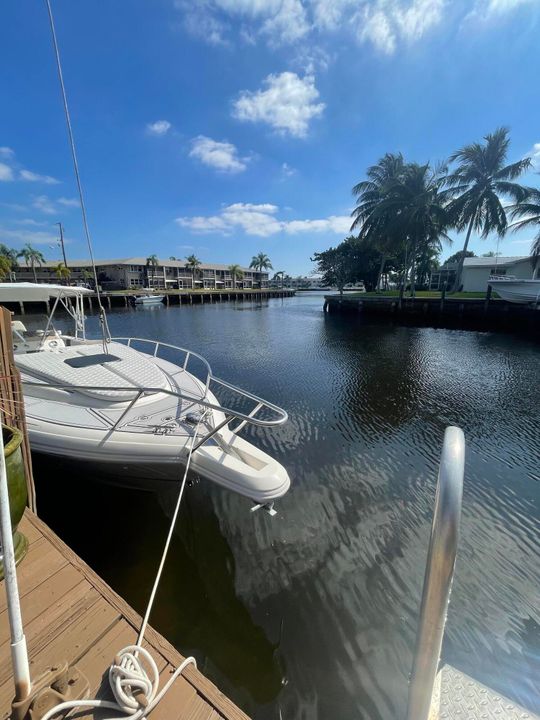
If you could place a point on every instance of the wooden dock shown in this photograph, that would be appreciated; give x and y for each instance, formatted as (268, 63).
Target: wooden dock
(71, 614)
(447, 312)
(118, 298)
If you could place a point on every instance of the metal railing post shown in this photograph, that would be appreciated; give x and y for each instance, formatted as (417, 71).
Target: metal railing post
(19, 653)
(439, 574)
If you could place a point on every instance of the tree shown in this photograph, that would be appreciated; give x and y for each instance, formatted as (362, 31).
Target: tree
(10, 254)
(414, 212)
(335, 265)
(478, 183)
(529, 211)
(86, 276)
(280, 274)
(171, 257)
(152, 262)
(62, 272)
(193, 263)
(236, 273)
(455, 257)
(491, 253)
(5, 267)
(260, 262)
(373, 225)
(32, 257)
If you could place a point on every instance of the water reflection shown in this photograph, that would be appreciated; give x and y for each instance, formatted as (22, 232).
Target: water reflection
(327, 593)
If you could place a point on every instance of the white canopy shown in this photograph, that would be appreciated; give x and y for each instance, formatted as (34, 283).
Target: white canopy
(37, 292)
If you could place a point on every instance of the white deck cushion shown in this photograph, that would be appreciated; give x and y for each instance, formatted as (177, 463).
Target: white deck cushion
(133, 369)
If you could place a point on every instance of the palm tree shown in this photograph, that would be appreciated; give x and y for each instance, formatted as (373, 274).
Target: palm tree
(260, 262)
(529, 211)
(374, 227)
(86, 276)
(193, 263)
(236, 273)
(10, 254)
(171, 257)
(409, 211)
(62, 272)
(152, 262)
(32, 257)
(5, 267)
(280, 274)
(478, 183)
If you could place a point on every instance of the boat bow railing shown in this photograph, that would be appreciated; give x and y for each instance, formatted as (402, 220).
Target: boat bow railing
(261, 413)
(439, 574)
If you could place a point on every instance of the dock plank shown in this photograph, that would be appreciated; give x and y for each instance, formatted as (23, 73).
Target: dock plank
(71, 614)
(49, 594)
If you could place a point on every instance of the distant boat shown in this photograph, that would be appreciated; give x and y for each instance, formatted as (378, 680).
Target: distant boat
(149, 299)
(513, 290)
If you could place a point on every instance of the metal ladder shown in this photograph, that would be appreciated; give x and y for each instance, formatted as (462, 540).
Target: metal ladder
(436, 693)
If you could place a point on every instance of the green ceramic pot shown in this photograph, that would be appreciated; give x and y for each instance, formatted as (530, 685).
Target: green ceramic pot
(18, 494)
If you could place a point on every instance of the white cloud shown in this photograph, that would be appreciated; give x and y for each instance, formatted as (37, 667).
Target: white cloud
(287, 170)
(534, 155)
(29, 221)
(159, 127)
(6, 173)
(38, 237)
(222, 156)
(288, 24)
(487, 11)
(6, 152)
(44, 205)
(386, 22)
(288, 103)
(499, 7)
(69, 202)
(306, 23)
(376, 28)
(30, 176)
(340, 224)
(261, 220)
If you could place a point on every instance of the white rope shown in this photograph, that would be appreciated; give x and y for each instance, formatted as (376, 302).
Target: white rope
(102, 316)
(134, 686)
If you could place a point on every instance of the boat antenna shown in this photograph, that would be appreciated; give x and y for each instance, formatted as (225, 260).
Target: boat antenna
(102, 316)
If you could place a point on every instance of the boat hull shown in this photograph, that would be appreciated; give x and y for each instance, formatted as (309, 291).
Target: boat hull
(522, 292)
(249, 471)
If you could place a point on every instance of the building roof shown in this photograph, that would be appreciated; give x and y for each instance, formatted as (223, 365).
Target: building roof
(472, 262)
(139, 261)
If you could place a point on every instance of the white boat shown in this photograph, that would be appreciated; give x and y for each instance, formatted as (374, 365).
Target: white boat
(135, 406)
(515, 290)
(149, 299)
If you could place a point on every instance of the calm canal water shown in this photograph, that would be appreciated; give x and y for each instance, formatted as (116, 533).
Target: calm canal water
(312, 614)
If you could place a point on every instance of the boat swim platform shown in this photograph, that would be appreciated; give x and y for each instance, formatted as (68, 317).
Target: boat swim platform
(457, 696)
(71, 614)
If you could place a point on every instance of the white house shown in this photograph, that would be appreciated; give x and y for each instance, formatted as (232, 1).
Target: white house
(477, 270)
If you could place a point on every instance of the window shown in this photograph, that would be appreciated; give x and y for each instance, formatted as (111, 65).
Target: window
(497, 271)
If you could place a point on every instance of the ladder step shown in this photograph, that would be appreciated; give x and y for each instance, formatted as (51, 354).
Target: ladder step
(456, 696)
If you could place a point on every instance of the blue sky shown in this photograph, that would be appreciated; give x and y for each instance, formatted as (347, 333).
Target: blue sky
(225, 127)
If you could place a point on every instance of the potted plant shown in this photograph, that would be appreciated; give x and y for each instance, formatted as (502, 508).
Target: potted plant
(18, 493)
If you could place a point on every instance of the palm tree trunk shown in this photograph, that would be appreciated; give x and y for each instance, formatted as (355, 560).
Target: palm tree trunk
(34, 271)
(404, 274)
(381, 270)
(459, 271)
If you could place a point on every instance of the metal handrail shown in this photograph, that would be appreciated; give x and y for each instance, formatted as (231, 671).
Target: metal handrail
(183, 395)
(158, 344)
(439, 574)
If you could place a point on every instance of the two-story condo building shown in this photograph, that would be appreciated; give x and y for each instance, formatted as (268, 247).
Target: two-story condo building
(133, 273)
